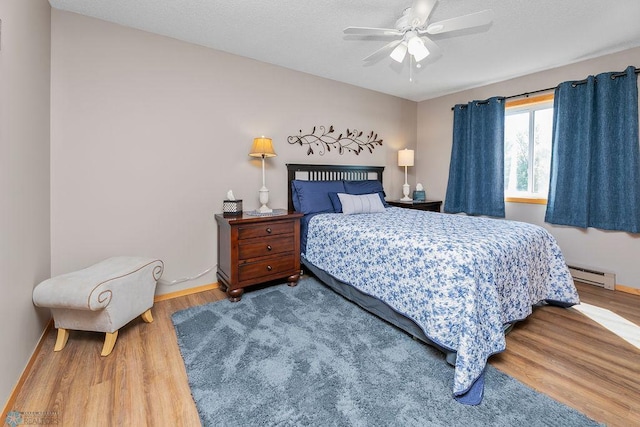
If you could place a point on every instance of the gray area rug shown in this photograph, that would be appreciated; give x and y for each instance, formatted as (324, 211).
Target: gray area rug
(300, 356)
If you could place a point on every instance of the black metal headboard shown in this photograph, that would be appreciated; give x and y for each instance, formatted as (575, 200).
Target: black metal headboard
(330, 173)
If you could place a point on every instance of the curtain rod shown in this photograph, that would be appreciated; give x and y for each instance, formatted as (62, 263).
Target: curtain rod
(613, 76)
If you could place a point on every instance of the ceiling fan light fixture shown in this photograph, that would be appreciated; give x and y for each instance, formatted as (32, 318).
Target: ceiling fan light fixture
(399, 52)
(415, 45)
(421, 54)
(418, 49)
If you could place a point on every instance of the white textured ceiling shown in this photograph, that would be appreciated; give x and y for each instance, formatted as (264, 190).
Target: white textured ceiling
(306, 35)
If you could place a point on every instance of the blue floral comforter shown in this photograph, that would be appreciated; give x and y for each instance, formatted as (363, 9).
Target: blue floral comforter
(460, 278)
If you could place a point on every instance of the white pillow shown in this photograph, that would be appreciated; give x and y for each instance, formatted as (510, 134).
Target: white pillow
(363, 203)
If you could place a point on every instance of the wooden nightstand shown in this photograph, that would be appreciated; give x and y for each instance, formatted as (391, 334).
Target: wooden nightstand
(427, 205)
(257, 249)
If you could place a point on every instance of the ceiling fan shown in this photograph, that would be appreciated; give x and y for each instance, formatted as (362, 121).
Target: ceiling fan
(412, 29)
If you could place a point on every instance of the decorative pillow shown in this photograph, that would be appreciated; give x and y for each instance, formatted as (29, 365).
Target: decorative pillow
(313, 196)
(337, 206)
(360, 203)
(365, 187)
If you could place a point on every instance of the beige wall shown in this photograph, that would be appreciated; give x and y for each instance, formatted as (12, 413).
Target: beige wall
(612, 251)
(148, 134)
(24, 180)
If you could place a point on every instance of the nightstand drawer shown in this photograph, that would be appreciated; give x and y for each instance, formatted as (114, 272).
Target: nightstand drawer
(255, 248)
(264, 230)
(268, 267)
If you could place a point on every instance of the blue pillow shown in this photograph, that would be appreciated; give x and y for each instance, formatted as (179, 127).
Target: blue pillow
(337, 204)
(313, 196)
(363, 187)
(366, 187)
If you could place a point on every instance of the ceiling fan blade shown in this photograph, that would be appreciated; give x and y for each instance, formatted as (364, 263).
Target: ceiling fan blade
(368, 31)
(383, 51)
(420, 11)
(461, 22)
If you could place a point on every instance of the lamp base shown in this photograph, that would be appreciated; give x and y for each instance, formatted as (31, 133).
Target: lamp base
(405, 191)
(264, 199)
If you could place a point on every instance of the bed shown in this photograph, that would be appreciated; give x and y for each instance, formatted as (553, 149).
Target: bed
(455, 282)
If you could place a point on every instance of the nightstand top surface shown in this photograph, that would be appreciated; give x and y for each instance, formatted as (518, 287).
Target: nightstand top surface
(257, 218)
(413, 202)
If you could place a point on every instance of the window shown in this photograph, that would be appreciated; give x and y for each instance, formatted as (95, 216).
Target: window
(527, 149)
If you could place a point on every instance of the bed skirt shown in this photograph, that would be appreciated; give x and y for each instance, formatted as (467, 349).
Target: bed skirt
(377, 307)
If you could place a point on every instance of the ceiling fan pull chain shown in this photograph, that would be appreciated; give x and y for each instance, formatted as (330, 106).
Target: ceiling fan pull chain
(410, 68)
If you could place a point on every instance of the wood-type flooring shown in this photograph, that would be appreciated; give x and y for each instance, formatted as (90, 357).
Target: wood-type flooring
(559, 352)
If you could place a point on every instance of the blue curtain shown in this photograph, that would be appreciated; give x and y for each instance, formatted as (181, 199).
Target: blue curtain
(595, 159)
(476, 172)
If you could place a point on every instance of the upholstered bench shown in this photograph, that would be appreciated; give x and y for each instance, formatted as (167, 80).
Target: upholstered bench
(101, 298)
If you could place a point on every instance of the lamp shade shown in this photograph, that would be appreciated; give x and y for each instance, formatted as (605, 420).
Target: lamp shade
(399, 52)
(405, 157)
(421, 52)
(262, 147)
(414, 44)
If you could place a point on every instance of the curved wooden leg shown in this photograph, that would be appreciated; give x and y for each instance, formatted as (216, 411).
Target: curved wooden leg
(61, 341)
(146, 316)
(293, 280)
(109, 342)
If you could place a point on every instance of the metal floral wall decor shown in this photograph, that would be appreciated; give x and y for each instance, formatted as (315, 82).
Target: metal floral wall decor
(324, 140)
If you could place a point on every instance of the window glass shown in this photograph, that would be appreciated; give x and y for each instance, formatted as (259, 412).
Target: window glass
(516, 152)
(527, 149)
(542, 150)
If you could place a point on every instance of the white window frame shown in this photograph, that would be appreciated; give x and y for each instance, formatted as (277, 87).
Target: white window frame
(530, 105)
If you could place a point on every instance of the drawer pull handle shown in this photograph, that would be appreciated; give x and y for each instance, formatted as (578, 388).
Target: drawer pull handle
(269, 247)
(269, 230)
(269, 268)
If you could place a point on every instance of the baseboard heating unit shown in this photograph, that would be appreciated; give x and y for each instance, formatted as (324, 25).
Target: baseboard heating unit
(593, 277)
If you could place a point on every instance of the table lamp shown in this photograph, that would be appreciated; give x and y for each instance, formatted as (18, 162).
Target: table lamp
(405, 158)
(263, 147)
